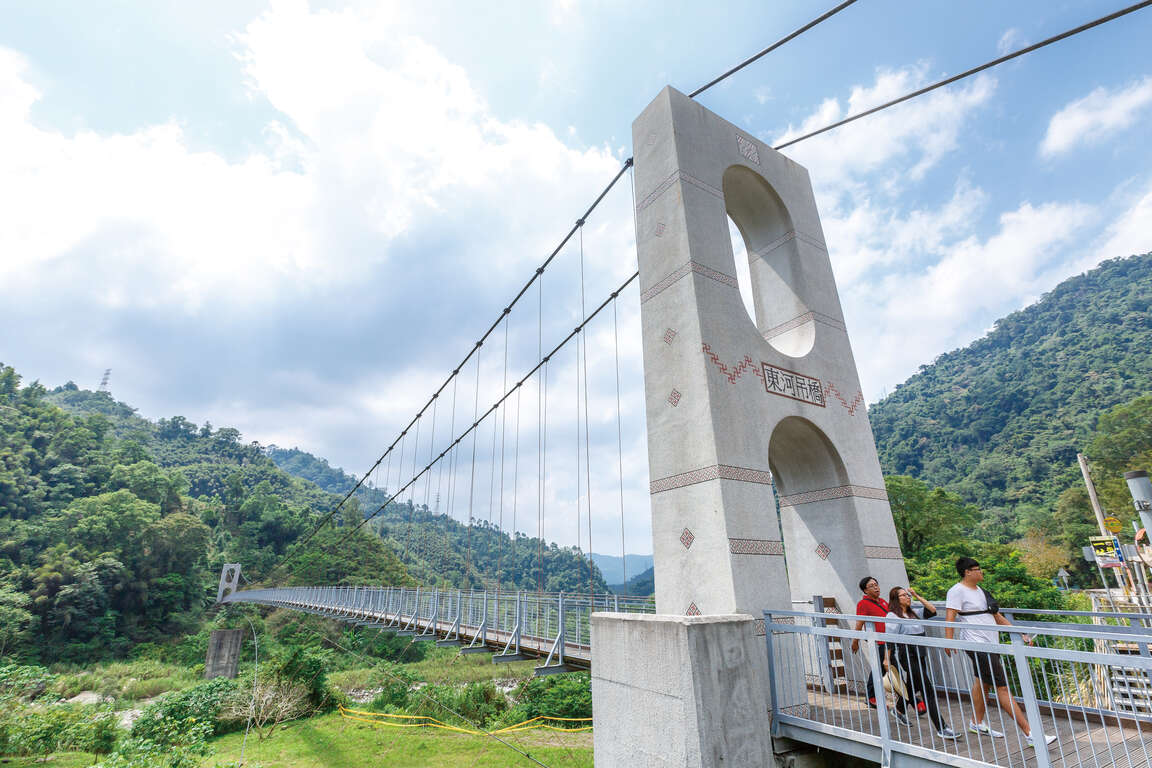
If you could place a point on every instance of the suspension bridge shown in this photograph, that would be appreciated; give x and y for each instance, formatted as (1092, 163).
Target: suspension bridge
(767, 498)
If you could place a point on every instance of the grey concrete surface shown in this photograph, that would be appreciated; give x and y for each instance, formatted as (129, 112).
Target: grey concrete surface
(678, 691)
(733, 402)
(223, 655)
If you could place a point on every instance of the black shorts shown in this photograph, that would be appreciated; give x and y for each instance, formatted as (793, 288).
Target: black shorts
(988, 668)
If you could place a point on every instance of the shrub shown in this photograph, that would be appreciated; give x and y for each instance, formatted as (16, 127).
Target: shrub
(200, 704)
(23, 683)
(478, 703)
(568, 695)
(394, 693)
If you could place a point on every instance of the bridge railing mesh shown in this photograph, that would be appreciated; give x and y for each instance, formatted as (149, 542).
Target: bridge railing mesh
(1085, 685)
(550, 625)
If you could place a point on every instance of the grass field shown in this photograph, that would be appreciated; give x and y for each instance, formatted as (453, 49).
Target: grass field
(125, 682)
(329, 741)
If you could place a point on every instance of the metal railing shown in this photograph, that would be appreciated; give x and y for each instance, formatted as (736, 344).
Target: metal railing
(1060, 676)
(555, 626)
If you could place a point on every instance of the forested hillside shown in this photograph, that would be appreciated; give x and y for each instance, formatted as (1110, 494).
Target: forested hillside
(113, 528)
(999, 423)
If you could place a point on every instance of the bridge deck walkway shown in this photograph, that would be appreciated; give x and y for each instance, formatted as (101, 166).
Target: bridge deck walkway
(1100, 741)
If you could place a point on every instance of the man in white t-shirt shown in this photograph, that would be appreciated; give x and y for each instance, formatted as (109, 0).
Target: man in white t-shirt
(968, 603)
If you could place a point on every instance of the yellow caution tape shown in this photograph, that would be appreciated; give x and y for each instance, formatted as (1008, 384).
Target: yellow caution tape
(425, 721)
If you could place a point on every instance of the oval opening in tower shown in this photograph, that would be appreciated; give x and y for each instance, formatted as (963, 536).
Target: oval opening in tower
(775, 274)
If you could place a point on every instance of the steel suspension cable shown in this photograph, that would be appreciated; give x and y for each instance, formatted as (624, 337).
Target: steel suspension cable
(969, 72)
(515, 299)
(771, 48)
(539, 367)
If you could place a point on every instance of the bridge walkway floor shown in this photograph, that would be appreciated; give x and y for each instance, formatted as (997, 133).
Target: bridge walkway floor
(1100, 741)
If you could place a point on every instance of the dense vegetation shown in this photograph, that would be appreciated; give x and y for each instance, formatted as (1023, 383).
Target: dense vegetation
(113, 528)
(997, 425)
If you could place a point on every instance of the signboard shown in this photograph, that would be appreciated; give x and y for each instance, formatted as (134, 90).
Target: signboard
(1113, 524)
(793, 385)
(1107, 552)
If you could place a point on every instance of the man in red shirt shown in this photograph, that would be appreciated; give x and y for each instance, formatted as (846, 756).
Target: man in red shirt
(871, 604)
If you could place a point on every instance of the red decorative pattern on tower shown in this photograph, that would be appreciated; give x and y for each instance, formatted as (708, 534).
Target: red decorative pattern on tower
(738, 370)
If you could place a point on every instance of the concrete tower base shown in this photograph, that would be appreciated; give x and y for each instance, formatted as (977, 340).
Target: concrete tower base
(687, 691)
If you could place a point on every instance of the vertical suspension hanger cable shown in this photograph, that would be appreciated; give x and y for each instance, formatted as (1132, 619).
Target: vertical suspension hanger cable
(396, 510)
(543, 479)
(578, 505)
(424, 527)
(619, 441)
(472, 475)
(540, 433)
(451, 479)
(491, 485)
(412, 496)
(515, 485)
(587, 433)
(503, 435)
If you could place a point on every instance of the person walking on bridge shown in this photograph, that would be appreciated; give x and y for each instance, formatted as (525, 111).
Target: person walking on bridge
(969, 603)
(913, 659)
(871, 604)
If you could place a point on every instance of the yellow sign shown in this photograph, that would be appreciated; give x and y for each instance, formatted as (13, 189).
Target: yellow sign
(1105, 550)
(1113, 524)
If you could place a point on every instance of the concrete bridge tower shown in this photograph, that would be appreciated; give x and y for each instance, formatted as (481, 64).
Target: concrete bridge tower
(734, 404)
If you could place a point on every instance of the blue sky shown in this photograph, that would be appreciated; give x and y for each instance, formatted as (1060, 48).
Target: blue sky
(295, 218)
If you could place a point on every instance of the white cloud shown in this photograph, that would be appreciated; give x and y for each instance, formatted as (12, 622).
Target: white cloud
(1131, 231)
(326, 283)
(906, 140)
(914, 313)
(1010, 41)
(1102, 113)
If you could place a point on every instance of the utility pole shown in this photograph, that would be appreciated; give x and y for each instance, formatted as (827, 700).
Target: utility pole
(1100, 522)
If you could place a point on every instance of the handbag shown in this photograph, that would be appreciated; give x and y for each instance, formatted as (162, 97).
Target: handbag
(894, 682)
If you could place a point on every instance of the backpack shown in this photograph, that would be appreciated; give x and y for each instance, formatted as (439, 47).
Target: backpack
(993, 606)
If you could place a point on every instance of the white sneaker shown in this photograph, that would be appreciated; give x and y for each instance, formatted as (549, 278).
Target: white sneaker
(1048, 739)
(984, 729)
(947, 733)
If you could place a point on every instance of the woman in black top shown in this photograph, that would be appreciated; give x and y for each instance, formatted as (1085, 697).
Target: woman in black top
(913, 659)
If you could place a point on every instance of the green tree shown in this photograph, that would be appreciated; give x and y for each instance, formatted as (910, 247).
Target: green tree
(926, 516)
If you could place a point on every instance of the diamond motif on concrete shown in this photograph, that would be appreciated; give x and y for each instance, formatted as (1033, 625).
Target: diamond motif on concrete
(692, 610)
(686, 538)
(669, 334)
(823, 551)
(748, 149)
(674, 398)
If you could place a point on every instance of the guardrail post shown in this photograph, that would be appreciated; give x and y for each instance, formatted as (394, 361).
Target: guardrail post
(1028, 690)
(479, 642)
(774, 710)
(881, 701)
(823, 645)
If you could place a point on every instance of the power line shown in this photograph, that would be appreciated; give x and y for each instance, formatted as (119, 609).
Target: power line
(771, 48)
(475, 347)
(973, 71)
